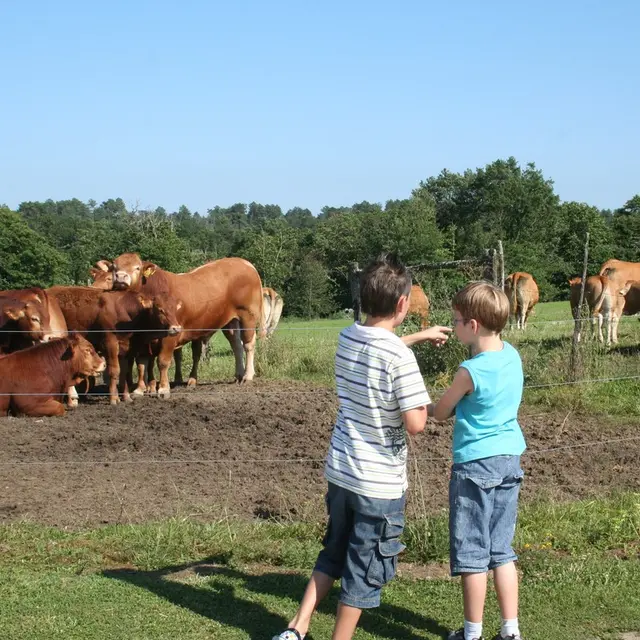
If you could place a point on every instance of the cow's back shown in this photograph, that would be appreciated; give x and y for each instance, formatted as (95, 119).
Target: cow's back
(620, 271)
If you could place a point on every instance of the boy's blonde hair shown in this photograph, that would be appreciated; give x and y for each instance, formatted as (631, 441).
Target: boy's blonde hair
(483, 302)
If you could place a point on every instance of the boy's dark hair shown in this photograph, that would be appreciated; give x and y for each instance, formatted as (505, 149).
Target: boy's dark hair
(382, 283)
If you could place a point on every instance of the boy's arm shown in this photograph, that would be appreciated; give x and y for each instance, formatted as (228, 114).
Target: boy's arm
(462, 385)
(437, 335)
(415, 420)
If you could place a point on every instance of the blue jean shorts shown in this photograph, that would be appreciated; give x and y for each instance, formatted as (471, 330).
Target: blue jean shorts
(483, 506)
(361, 544)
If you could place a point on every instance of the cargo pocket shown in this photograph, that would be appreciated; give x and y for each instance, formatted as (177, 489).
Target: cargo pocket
(486, 482)
(384, 557)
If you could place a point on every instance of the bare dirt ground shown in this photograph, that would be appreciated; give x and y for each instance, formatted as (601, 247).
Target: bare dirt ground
(256, 451)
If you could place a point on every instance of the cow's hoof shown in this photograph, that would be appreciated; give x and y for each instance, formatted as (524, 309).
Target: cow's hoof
(114, 401)
(164, 393)
(73, 403)
(152, 389)
(128, 399)
(137, 393)
(192, 383)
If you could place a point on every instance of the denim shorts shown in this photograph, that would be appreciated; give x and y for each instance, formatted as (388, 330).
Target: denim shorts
(483, 505)
(361, 544)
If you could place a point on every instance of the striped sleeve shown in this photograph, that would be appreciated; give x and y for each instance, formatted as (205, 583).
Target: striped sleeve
(408, 385)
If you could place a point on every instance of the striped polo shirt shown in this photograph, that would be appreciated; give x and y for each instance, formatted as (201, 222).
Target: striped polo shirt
(377, 379)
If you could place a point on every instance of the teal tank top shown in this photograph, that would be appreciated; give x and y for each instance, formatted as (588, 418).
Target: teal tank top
(487, 418)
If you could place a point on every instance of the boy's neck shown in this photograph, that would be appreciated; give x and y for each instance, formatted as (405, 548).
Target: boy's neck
(380, 323)
(489, 342)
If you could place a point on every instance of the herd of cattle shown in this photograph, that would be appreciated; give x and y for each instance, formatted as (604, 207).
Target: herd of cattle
(134, 313)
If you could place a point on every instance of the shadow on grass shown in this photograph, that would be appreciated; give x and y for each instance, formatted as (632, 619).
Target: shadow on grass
(218, 600)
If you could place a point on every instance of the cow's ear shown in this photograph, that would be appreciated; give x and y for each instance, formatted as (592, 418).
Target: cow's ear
(14, 314)
(68, 353)
(148, 269)
(145, 301)
(104, 265)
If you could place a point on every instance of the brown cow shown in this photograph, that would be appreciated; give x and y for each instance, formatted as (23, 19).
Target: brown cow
(32, 381)
(522, 291)
(604, 302)
(272, 305)
(214, 296)
(118, 323)
(419, 305)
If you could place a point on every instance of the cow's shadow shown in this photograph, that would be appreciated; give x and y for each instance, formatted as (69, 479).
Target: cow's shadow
(219, 601)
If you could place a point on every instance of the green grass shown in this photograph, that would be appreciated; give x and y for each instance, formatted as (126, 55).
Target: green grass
(304, 350)
(236, 579)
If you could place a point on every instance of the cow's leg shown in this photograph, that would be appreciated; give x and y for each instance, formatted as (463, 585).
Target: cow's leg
(153, 383)
(141, 361)
(597, 321)
(177, 357)
(72, 397)
(113, 367)
(615, 319)
(196, 350)
(248, 324)
(124, 375)
(164, 362)
(42, 407)
(232, 334)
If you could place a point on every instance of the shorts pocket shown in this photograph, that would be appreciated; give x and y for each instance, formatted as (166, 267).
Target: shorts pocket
(486, 482)
(384, 557)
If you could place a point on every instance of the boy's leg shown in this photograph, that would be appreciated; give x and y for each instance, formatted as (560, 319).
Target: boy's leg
(502, 526)
(317, 588)
(505, 579)
(474, 591)
(372, 558)
(331, 558)
(346, 622)
(470, 505)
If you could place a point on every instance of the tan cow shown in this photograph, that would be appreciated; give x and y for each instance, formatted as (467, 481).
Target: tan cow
(215, 296)
(522, 291)
(605, 306)
(419, 305)
(33, 381)
(272, 305)
(621, 272)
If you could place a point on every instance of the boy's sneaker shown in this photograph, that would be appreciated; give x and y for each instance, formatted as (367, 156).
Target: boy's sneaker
(289, 634)
(513, 636)
(459, 635)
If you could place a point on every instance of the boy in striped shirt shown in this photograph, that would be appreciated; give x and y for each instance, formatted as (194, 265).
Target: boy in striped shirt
(381, 397)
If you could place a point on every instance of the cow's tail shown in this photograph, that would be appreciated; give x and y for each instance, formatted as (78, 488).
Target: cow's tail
(513, 299)
(597, 305)
(523, 295)
(264, 322)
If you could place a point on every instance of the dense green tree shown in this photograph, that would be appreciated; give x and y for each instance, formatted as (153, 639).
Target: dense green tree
(26, 258)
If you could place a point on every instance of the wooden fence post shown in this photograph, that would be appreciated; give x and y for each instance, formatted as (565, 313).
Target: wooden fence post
(354, 286)
(574, 361)
(501, 254)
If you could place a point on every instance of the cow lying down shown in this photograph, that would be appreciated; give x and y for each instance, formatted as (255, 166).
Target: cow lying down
(34, 381)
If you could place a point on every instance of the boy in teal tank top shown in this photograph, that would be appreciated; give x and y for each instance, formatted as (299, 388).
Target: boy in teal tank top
(487, 443)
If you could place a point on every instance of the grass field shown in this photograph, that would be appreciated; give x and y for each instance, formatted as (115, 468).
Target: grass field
(304, 350)
(237, 579)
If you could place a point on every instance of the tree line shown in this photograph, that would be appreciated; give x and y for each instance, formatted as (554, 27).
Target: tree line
(306, 257)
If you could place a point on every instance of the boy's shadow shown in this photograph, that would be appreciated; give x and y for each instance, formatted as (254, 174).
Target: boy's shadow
(218, 601)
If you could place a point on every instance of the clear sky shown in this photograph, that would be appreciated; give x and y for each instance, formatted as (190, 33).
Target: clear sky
(311, 103)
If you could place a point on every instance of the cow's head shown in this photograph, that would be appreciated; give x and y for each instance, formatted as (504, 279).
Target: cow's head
(575, 282)
(129, 272)
(102, 275)
(164, 311)
(86, 361)
(28, 314)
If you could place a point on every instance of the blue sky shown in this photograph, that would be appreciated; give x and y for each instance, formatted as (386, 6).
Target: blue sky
(306, 104)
